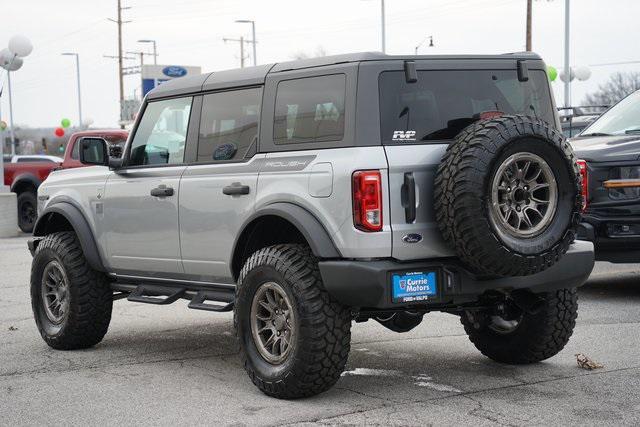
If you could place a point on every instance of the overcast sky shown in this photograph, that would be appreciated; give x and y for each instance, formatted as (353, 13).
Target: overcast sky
(190, 32)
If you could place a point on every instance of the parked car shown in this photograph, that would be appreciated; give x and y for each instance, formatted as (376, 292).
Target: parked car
(575, 119)
(308, 194)
(610, 153)
(31, 158)
(24, 173)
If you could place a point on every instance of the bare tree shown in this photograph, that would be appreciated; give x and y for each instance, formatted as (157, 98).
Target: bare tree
(320, 51)
(617, 87)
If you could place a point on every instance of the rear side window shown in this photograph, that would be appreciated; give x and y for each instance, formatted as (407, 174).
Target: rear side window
(310, 110)
(161, 134)
(33, 159)
(442, 103)
(229, 124)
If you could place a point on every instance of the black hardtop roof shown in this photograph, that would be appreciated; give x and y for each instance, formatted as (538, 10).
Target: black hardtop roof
(256, 75)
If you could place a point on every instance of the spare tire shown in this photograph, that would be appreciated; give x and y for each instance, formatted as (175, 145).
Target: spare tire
(507, 196)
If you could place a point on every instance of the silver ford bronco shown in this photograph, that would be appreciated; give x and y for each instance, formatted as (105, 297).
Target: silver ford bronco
(310, 194)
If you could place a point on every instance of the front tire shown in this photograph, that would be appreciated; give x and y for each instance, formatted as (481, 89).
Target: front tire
(294, 337)
(27, 211)
(523, 337)
(71, 302)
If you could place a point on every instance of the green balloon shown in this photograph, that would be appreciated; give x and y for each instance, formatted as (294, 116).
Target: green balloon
(3, 125)
(65, 123)
(552, 73)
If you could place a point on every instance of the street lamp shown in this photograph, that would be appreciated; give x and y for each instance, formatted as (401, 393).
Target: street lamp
(383, 27)
(422, 42)
(78, 78)
(155, 52)
(253, 36)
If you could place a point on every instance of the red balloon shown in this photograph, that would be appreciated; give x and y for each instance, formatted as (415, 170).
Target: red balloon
(59, 132)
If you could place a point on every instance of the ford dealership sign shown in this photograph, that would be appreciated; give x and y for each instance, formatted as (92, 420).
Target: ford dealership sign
(154, 75)
(174, 71)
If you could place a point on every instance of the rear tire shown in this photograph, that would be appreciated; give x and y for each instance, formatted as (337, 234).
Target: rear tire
(71, 302)
(535, 337)
(319, 327)
(27, 211)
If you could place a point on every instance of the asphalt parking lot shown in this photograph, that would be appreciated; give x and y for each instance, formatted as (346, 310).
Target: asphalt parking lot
(177, 366)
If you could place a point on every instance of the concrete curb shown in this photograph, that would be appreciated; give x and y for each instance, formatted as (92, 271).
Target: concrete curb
(8, 215)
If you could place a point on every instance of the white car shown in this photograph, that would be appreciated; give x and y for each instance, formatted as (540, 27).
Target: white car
(25, 158)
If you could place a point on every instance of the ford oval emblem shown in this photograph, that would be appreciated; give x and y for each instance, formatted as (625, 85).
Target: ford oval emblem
(174, 71)
(412, 238)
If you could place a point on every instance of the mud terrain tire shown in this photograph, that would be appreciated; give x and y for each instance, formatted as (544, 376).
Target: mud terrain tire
(476, 204)
(320, 329)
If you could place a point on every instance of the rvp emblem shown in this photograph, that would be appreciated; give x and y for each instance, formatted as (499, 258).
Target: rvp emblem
(404, 135)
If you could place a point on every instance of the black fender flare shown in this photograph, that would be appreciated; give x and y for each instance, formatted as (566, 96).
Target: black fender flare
(81, 227)
(312, 230)
(25, 177)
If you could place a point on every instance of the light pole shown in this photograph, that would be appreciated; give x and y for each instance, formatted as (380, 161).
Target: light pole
(415, 51)
(384, 37)
(567, 68)
(155, 52)
(78, 78)
(253, 36)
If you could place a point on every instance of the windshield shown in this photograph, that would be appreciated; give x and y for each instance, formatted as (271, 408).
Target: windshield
(443, 102)
(622, 118)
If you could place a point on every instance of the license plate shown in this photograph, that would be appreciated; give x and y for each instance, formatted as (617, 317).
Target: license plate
(414, 286)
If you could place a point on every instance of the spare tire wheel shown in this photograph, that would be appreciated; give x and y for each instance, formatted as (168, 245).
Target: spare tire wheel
(508, 196)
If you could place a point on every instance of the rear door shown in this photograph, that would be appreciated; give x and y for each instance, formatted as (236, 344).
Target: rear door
(218, 190)
(420, 119)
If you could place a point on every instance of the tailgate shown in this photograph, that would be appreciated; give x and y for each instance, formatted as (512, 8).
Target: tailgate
(414, 166)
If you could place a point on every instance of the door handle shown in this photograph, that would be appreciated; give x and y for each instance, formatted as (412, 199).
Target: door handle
(235, 189)
(162, 191)
(408, 197)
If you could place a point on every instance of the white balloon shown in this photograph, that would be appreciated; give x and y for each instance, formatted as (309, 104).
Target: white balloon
(5, 57)
(87, 122)
(572, 75)
(20, 45)
(14, 65)
(582, 73)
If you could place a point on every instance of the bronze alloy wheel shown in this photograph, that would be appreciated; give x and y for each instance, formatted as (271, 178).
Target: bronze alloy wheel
(55, 292)
(273, 323)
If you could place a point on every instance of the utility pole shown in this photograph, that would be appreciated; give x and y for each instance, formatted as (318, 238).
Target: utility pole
(129, 71)
(119, 22)
(253, 36)
(529, 17)
(242, 41)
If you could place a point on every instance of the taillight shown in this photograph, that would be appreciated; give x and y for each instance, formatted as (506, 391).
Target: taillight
(584, 178)
(367, 200)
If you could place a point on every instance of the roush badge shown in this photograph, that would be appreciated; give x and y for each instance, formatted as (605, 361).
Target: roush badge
(412, 238)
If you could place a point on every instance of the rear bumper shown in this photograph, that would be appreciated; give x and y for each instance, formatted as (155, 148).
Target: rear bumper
(612, 243)
(367, 284)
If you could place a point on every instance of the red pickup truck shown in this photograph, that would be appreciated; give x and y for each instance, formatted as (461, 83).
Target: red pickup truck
(24, 178)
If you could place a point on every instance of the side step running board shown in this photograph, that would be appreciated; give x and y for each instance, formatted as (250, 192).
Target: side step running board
(198, 301)
(219, 300)
(151, 294)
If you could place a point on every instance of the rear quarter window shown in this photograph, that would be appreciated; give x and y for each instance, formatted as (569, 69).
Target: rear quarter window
(443, 102)
(310, 109)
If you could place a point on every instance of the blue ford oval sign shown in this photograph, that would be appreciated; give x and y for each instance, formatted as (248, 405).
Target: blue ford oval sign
(174, 71)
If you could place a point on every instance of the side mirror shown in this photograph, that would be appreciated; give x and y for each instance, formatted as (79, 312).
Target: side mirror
(93, 151)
